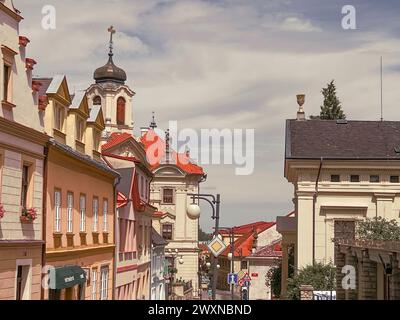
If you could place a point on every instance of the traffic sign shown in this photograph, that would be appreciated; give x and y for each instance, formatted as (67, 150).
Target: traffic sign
(246, 277)
(216, 246)
(232, 278)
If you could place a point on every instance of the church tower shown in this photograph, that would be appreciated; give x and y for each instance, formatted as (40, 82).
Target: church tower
(114, 96)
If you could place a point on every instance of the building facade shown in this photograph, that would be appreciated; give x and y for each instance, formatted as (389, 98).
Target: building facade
(123, 153)
(342, 172)
(22, 145)
(80, 198)
(174, 177)
(158, 266)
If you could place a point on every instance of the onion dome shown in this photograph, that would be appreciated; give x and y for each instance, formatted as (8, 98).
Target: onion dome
(110, 72)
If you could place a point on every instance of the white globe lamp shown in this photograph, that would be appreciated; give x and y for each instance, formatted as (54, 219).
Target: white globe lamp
(193, 211)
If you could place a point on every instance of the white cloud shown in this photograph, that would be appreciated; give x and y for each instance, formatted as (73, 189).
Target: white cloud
(297, 24)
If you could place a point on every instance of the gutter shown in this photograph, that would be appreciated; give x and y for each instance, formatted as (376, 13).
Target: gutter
(315, 195)
(44, 213)
(116, 236)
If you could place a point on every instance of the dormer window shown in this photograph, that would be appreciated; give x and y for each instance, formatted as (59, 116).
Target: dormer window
(121, 111)
(97, 101)
(80, 128)
(96, 141)
(8, 62)
(58, 117)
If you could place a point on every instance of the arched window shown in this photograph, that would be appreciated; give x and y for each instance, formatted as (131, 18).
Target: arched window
(121, 110)
(97, 101)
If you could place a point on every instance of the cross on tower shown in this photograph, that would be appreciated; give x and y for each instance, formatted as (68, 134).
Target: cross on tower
(111, 30)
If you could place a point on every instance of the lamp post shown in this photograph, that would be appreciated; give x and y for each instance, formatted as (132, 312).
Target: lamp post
(193, 211)
(174, 254)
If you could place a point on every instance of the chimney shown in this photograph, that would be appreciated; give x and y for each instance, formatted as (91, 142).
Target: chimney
(300, 101)
(143, 131)
(255, 240)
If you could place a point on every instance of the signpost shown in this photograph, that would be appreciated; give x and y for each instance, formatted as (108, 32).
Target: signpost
(232, 278)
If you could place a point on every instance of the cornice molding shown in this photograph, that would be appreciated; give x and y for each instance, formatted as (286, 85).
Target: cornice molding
(21, 131)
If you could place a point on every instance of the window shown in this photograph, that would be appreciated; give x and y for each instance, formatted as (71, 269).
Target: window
(79, 129)
(57, 205)
(354, 178)
(335, 178)
(168, 195)
(104, 283)
(105, 212)
(394, 179)
(25, 185)
(96, 140)
(142, 186)
(343, 229)
(22, 279)
(121, 111)
(70, 211)
(58, 117)
(7, 81)
(374, 178)
(243, 264)
(82, 212)
(97, 101)
(167, 231)
(94, 284)
(95, 214)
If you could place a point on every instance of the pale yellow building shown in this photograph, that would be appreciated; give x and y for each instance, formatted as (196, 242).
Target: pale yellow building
(342, 171)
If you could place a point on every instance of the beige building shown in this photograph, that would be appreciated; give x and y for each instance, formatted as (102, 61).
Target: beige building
(342, 171)
(22, 143)
(173, 180)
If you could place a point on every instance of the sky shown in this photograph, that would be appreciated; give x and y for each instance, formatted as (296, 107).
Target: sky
(234, 64)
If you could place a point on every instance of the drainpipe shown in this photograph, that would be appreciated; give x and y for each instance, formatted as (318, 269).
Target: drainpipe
(116, 240)
(44, 200)
(315, 195)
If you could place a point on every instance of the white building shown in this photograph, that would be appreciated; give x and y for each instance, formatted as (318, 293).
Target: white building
(157, 282)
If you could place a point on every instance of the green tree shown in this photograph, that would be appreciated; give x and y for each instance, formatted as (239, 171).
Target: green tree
(331, 108)
(378, 228)
(321, 277)
(274, 278)
(203, 236)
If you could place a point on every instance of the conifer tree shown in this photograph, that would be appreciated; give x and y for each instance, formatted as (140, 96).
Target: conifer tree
(331, 108)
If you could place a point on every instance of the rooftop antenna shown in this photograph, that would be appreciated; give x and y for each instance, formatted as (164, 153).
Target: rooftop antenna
(381, 88)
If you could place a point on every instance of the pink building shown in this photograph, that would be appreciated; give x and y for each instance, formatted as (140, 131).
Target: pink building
(22, 143)
(126, 156)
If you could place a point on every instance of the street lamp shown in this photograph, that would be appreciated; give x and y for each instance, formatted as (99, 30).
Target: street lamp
(193, 211)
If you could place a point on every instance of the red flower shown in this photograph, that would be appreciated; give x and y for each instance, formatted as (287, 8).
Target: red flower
(29, 214)
(2, 211)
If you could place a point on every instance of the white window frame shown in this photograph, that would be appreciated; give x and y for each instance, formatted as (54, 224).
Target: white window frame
(105, 213)
(70, 211)
(59, 117)
(82, 213)
(104, 272)
(94, 284)
(57, 210)
(95, 224)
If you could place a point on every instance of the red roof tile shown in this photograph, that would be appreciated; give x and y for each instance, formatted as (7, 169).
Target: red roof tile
(260, 226)
(115, 139)
(155, 147)
(274, 249)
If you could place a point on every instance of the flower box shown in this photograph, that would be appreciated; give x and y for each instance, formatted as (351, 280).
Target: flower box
(2, 211)
(28, 215)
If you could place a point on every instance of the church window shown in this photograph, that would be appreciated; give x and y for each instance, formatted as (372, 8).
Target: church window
(121, 111)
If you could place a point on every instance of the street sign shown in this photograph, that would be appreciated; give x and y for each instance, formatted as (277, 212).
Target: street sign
(216, 246)
(246, 277)
(232, 278)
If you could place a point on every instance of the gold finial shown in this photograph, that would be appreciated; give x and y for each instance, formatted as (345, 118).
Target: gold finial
(301, 98)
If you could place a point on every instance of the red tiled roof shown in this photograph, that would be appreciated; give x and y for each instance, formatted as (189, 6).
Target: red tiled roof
(151, 140)
(115, 139)
(260, 226)
(274, 249)
(203, 247)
